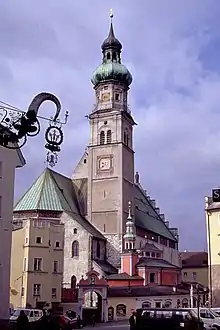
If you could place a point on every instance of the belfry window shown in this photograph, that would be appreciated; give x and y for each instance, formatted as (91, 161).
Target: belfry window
(108, 56)
(102, 137)
(109, 136)
(114, 56)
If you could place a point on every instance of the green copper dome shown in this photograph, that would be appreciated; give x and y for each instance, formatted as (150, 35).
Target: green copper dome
(112, 71)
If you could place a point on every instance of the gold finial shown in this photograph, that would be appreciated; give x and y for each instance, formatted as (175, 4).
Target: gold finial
(111, 14)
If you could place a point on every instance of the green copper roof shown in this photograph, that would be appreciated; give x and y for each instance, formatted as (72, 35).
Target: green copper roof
(44, 194)
(55, 192)
(112, 70)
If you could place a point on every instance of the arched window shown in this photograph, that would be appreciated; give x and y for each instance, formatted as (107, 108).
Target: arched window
(75, 249)
(121, 310)
(152, 277)
(73, 282)
(146, 304)
(108, 56)
(102, 137)
(185, 303)
(109, 136)
(114, 56)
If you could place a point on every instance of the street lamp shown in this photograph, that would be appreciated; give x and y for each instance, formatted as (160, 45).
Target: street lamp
(17, 125)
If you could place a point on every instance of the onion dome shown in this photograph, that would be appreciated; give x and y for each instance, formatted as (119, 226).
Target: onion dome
(111, 67)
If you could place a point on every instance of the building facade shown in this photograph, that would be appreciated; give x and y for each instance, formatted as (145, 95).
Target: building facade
(195, 267)
(9, 161)
(36, 263)
(212, 211)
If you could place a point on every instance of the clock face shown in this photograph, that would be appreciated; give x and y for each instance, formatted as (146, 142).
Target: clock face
(106, 97)
(105, 164)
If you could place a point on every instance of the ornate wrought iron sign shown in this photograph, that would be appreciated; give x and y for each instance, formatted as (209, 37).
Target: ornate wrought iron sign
(17, 125)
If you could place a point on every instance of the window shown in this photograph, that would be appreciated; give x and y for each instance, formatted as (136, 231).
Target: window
(0, 170)
(54, 292)
(158, 304)
(185, 274)
(73, 282)
(146, 304)
(92, 280)
(121, 310)
(55, 266)
(194, 276)
(22, 291)
(153, 254)
(26, 240)
(102, 137)
(98, 250)
(152, 277)
(114, 56)
(75, 230)
(147, 254)
(117, 96)
(57, 244)
(37, 264)
(38, 240)
(158, 255)
(105, 87)
(108, 56)
(109, 136)
(36, 314)
(25, 264)
(36, 289)
(172, 244)
(75, 249)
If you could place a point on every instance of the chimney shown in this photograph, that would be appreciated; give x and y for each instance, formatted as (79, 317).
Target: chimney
(162, 216)
(137, 177)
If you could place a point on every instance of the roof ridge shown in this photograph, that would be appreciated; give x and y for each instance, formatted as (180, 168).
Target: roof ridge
(45, 173)
(58, 188)
(22, 196)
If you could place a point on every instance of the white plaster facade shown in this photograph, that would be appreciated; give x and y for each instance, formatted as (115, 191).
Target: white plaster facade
(9, 160)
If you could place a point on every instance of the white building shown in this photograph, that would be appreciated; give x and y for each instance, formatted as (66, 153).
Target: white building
(9, 160)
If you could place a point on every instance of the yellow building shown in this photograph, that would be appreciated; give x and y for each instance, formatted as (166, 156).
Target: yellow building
(213, 240)
(195, 267)
(36, 263)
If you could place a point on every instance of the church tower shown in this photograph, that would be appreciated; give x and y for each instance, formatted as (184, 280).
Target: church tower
(110, 151)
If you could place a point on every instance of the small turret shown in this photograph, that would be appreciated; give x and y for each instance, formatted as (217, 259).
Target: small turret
(129, 237)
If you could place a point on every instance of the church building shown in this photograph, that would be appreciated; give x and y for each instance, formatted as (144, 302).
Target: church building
(111, 224)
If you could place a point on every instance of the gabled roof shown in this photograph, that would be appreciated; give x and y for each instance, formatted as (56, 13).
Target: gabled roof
(124, 276)
(146, 217)
(54, 192)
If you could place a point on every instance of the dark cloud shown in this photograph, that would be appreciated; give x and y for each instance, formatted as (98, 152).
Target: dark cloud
(55, 46)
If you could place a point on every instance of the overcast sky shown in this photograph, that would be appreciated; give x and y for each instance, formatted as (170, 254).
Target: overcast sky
(172, 49)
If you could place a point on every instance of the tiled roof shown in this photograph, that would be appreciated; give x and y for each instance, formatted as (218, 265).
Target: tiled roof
(142, 291)
(194, 259)
(106, 267)
(124, 276)
(150, 248)
(147, 218)
(54, 192)
(151, 262)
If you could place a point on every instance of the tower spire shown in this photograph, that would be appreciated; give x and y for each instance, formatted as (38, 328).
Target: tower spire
(129, 237)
